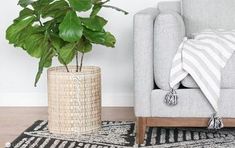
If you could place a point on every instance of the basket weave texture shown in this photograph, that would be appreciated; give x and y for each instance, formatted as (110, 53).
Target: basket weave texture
(74, 100)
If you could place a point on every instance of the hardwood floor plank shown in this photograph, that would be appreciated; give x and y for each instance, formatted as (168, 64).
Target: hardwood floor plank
(14, 120)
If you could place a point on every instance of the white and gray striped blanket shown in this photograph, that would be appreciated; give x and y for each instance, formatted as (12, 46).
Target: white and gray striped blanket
(203, 57)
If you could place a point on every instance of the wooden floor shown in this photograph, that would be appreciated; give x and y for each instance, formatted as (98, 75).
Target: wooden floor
(14, 121)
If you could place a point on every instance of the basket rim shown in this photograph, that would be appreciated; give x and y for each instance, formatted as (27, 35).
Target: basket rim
(62, 70)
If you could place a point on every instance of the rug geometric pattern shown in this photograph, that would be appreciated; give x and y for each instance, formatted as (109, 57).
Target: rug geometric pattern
(122, 134)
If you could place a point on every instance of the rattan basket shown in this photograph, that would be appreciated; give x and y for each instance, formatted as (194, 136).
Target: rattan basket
(74, 100)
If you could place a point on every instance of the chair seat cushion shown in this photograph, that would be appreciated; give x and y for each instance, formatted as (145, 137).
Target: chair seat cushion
(192, 103)
(227, 80)
(208, 14)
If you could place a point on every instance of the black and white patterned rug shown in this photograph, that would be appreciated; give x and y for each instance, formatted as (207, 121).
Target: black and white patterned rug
(122, 135)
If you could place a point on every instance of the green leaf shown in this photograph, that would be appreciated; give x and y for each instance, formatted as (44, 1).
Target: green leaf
(71, 28)
(110, 40)
(12, 33)
(52, 26)
(27, 32)
(26, 12)
(35, 45)
(67, 53)
(55, 9)
(94, 23)
(56, 41)
(39, 5)
(103, 38)
(48, 62)
(96, 1)
(55, 28)
(45, 61)
(84, 46)
(25, 3)
(81, 5)
(94, 37)
(95, 10)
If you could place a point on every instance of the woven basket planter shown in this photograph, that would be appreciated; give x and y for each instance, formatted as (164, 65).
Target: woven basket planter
(74, 100)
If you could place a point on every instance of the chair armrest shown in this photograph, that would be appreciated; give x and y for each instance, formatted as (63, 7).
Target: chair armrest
(143, 60)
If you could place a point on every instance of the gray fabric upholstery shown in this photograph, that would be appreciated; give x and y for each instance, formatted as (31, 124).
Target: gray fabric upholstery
(189, 82)
(228, 76)
(143, 60)
(208, 14)
(173, 6)
(149, 102)
(169, 31)
(192, 103)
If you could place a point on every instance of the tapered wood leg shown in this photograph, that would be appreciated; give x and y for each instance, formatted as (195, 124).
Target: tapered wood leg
(141, 126)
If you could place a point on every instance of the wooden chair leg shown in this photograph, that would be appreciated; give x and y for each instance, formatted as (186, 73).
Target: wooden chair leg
(141, 126)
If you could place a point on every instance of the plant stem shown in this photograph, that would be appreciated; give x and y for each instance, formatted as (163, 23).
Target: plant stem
(81, 62)
(67, 69)
(116, 8)
(65, 65)
(77, 62)
(40, 22)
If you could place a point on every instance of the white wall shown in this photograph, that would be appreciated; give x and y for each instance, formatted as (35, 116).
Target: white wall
(17, 69)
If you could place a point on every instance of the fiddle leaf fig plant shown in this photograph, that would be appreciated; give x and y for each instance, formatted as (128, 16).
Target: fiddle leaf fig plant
(55, 28)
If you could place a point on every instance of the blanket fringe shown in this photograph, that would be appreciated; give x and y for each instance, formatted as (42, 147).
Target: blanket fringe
(215, 122)
(171, 98)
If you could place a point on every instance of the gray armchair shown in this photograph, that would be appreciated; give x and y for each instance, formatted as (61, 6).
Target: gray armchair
(157, 34)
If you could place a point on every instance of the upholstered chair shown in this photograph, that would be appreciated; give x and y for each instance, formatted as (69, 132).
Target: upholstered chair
(158, 33)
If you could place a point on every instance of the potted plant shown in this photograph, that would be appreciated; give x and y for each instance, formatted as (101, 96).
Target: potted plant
(54, 28)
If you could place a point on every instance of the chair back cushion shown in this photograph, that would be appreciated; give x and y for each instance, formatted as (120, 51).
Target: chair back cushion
(169, 31)
(208, 14)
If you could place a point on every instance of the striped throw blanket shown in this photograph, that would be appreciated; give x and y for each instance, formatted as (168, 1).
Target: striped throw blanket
(203, 58)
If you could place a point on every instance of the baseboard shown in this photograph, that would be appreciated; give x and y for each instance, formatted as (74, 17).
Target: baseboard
(40, 99)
